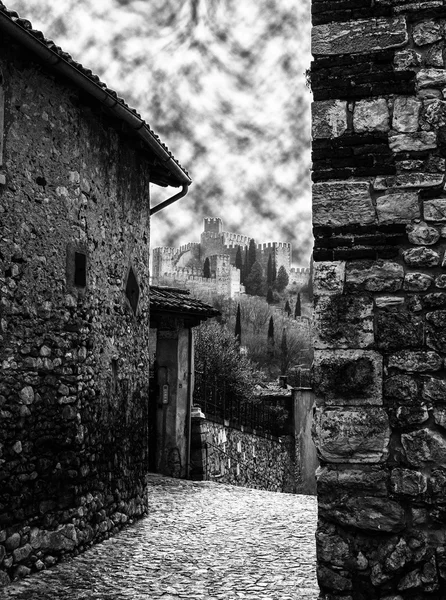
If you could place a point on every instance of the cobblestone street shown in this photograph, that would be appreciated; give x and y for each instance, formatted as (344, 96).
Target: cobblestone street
(201, 540)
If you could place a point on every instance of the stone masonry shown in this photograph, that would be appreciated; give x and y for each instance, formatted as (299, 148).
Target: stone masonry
(74, 309)
(379, 205)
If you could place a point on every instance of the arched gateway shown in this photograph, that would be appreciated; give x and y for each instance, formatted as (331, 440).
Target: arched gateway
(379, 215)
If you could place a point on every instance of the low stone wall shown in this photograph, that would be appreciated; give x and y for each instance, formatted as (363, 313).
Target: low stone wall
(239, 456)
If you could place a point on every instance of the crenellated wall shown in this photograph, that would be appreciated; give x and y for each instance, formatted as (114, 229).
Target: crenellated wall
(379, 216)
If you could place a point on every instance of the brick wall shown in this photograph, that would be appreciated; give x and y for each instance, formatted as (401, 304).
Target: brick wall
(75, 373)
(379, 130)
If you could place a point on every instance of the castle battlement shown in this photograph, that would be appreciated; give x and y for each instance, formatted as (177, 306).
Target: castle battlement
(273, 245)
(165, 251)
(213, 224)
(188, 246)
(300, 270)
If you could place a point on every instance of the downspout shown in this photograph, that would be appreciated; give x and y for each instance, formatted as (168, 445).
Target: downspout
(171, 200)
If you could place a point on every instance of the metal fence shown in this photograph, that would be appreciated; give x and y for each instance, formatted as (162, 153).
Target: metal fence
(259, 414)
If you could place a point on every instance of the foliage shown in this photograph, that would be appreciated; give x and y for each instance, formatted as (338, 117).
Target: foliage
(287, 308)
(238, 326)
(269, 272)
(252, 255)
(255, 285)
(217, 356)
(298, 307)
(282, 279)
(269, 296)
(207, 268)
(238, 259)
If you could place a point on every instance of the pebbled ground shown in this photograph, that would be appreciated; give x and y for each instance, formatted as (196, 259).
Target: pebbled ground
(201, 541)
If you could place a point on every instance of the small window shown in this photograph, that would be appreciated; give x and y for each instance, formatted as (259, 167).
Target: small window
(132, 290)
(80, 269)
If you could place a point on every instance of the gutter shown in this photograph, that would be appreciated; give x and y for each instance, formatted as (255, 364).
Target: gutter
(171, 200)
(61, 65)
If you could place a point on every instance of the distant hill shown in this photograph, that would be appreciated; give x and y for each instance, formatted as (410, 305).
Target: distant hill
(222, 82)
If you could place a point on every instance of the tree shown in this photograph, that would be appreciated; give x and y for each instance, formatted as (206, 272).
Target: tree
(252, 254)
(238, 326)
(246, 265)
(284, 353)
(207, 268)
(269, 272)
(254, 282)
(282, 279)
(270, 339)
(269, 296)
(217, 357)
(287, 308)
(238, 259)
(298, 308)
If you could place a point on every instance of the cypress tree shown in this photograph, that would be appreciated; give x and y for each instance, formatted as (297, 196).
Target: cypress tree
(238, 259)
(283, 353)
(246, 265)
(269, 296)
(238, 326)
(270, 339)
(282, 279)
(297, 308)
(287, 308)
(269, 272)
(252, 254)
(254, 283)
(207, 268)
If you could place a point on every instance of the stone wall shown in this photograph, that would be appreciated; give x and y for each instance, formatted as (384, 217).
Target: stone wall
(241, 457)
(74, 311)
(379, 131)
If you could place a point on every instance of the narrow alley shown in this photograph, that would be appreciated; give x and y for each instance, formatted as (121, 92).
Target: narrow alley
(201, 540)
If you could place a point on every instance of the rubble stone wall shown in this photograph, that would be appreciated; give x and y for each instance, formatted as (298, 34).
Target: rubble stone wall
(241, 457)
(379, 148)
(74, 218)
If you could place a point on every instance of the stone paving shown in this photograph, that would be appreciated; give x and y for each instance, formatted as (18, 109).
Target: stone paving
(202, 540)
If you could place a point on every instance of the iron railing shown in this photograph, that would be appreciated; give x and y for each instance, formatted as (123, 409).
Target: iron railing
(260, 414)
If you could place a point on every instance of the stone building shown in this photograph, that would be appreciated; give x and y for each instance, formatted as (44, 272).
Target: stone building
(75, 167)
(185, 264)
(379, 117)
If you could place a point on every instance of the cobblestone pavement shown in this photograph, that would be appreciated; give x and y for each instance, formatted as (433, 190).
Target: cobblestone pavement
(202, 540)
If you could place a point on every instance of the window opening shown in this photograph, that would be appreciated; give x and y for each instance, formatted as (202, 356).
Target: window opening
(80, 269)
(132, 290)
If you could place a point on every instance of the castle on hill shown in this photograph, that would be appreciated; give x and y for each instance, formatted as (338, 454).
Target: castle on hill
(184, 266)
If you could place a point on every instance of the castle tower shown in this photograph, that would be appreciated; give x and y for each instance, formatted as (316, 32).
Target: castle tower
(213, 225)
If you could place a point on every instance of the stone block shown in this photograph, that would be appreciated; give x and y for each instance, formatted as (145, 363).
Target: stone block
(434, 390)
(389, 301)
(329, 118)
(340, 203)
(371, 115)
(413, 142)
(427, 32)
(415, 361)
(408, 482)
(435, 210)
(402, 417)
(434, 300)
(431, 78)
(435, 113)
(436, 330)
(422, 234)
(408, 180)
(440, 417)
(348, 377)
(440, 281)
(352, 482)
(359, 37)
(423, 447)
(399, 329)
(374, 276)
(402, 387)
(343, 321)
(407, 59)
(333, 580)
(27, 395)
(406, 113)
(398, 208)
(64, 538)
(352, 436)
(328, 277)
(367, 513)
(417, 282)
(421, 257)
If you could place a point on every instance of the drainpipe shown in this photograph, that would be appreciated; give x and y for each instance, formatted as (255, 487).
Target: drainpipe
(171, 200)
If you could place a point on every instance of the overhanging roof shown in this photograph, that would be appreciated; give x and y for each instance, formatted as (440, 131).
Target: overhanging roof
(178, 302)
(166, 169)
